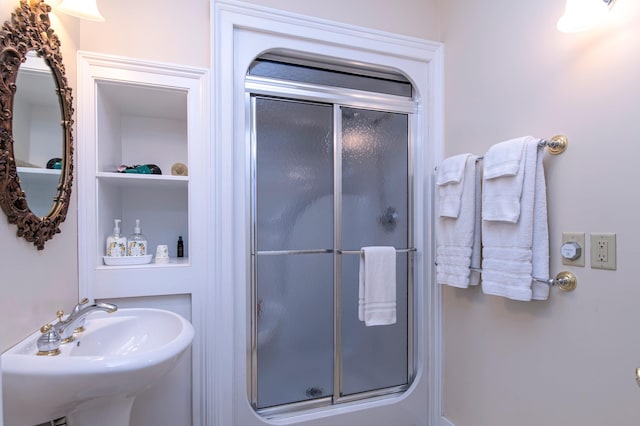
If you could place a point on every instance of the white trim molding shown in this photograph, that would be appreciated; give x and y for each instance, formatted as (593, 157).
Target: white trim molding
(242, 32)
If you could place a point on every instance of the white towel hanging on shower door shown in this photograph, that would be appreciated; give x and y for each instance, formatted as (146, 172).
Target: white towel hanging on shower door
(377, 286)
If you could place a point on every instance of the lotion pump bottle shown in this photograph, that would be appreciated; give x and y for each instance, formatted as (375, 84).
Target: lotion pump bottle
(137, 242)
(116, 243)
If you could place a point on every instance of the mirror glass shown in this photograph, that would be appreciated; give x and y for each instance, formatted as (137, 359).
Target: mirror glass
(38, 140)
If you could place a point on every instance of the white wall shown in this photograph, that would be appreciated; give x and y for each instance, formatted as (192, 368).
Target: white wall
(509, 72)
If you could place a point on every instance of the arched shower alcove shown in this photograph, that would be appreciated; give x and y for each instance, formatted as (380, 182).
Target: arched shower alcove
(243, 34)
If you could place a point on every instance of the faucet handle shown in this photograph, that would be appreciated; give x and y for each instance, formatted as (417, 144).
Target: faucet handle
(49, 342)
(59, 314)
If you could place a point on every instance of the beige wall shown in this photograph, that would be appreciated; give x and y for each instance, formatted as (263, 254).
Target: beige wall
(509, 72)
(37, 283)
(158, 30)
(165, 30)
(417, 18)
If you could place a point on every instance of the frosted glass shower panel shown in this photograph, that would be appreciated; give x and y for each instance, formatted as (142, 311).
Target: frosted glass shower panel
(372, 357)
(294, 214)
(374, 178)
(294, 168)
(375, 170)
(295, 328)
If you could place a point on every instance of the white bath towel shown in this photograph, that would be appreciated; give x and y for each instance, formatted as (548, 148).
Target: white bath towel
(450, 182)
(476, 248)
(377, 286)
(540, 246)
(458, 238)
(504, 171)
(516, 252)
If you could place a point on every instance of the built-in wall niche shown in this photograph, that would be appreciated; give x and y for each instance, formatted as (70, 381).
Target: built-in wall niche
(134, 112)
(140, 124)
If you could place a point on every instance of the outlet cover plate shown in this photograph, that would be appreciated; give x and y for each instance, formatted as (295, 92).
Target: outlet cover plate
(574, 237)
(603, 251)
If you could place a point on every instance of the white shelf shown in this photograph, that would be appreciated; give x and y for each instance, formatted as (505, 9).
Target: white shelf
(173, 262)
(142, 180)
(36, 176)
(41, 187)
(138, 113)
(38, 171)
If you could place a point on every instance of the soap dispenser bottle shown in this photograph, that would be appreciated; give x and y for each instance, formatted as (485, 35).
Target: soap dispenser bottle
(116, 243)
(137, 245)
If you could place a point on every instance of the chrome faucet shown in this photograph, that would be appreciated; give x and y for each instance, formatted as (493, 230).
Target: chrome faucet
(75, 321)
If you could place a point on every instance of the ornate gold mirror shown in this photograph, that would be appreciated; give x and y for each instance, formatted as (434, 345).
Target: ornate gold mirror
(36, 140)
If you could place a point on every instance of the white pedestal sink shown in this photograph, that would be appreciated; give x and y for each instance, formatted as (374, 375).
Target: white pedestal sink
(95, 379)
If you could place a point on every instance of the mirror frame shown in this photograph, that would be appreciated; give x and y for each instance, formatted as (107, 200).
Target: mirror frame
(29, 29)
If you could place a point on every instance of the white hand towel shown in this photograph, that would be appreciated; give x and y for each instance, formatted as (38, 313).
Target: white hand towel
(377, 286)
(450, 182)
(458, 239)
(503, 176)
(512, 251)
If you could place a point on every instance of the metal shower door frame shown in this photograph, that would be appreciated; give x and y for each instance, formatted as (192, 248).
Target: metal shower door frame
(338, 97)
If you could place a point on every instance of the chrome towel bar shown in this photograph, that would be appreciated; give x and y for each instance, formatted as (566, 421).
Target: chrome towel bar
(565, 280)
(555, 145)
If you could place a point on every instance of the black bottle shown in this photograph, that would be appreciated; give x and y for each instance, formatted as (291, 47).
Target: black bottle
(180, 247)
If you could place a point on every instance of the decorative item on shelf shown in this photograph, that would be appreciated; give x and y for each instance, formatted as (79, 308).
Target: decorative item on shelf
(143, 169)
(54, 163)
(180, 247)
(179, 169)
(162, 253)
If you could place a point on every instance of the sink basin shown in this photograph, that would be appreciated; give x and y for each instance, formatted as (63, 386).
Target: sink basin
(95, 379)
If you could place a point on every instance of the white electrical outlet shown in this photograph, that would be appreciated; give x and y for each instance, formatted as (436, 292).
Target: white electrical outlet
(603, 251)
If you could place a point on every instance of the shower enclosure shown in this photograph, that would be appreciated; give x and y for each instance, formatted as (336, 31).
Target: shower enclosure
(331, 153)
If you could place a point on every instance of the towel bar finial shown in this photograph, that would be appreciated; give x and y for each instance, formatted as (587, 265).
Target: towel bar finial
(557, 144)
(566, 281)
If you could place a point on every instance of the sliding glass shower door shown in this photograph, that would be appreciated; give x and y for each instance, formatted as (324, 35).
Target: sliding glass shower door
(328, 178)
(375, 206)
(294, 240)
